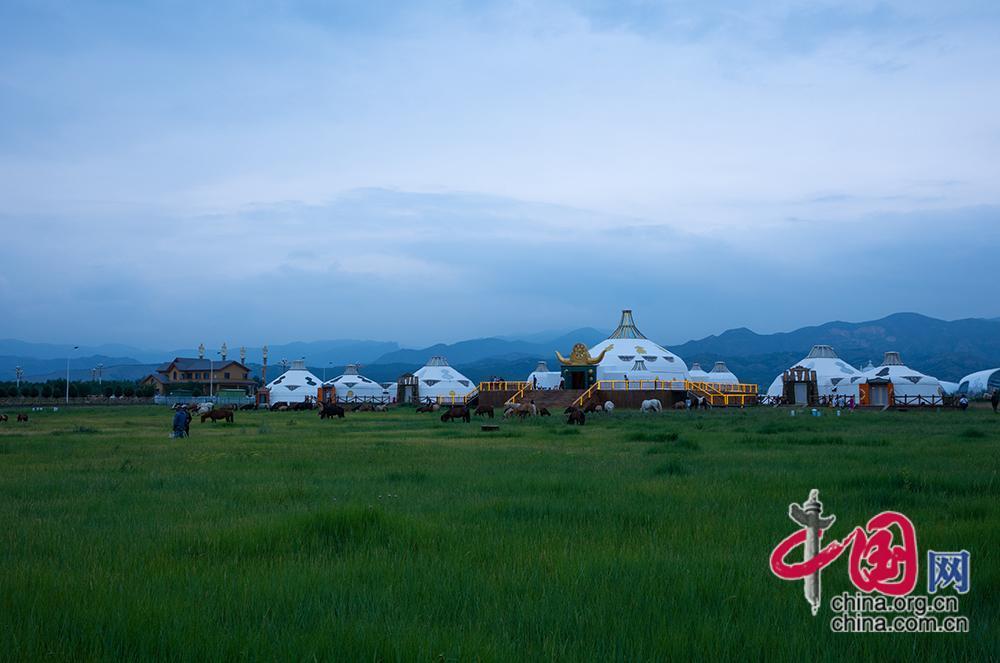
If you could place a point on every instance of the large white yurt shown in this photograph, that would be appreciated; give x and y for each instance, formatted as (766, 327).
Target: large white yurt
(352, 387)
(697, 374)
(389, 391)
(632, 355)
(980, 382)
(438, 380)
(720, 374)
(894, 383)
(834, 376)
(295, 385)
(543, 378)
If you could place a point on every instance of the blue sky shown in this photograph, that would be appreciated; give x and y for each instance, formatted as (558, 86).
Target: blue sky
(177, 172)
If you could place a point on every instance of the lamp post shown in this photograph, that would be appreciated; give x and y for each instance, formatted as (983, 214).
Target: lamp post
(263, 376)
(100, 373)
(18, 373)
(75, 347)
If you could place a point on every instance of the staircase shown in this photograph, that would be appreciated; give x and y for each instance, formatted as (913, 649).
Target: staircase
(556, 400)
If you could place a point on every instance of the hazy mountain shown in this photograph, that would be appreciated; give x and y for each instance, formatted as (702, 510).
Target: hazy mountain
(475, 350)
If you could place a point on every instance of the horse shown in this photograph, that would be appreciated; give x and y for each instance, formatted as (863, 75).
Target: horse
(205, 407)
(680, 405)
(331, 410)
(382, 407)
(609, 407)
(486, 410)
(591, 408)
(544, 412)
(215, 415)
(22, 418)
(3, 418)
(428, 407)
(457, 412)
(652, 405)
(576, 416)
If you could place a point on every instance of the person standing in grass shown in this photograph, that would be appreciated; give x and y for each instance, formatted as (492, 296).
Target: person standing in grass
(181, 422)
(995, 400)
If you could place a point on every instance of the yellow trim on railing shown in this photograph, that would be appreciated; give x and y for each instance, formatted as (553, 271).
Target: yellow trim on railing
(728, 393)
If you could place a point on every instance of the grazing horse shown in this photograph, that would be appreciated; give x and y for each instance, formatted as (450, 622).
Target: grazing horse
(428, 407)
(592, 407)
(22, 417)
(331, 410)
(204, 407)
(215, 415)
(680, 405)
(486, 410)
(3, 418)
(576, 416)
(544, 412)
(609, 407)
(457, 412)
(652, 405)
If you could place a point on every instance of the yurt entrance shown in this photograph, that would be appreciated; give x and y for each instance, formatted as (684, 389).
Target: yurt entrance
(878, 395)
(801, 393)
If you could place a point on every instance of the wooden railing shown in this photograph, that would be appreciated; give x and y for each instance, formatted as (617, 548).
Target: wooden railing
(502, 385)
(718, 393)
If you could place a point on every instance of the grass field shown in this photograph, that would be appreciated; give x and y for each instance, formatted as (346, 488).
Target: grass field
(385, 537)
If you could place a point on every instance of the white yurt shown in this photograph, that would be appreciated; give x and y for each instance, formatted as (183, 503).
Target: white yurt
(295, 385)
(630, 354)
(720, 374)
(909, 387)
(949, 388)
(438, 380)
(389, 390)
(834, 376)
(543, 378)
(980, 382)
(697, 374)
(352, 387)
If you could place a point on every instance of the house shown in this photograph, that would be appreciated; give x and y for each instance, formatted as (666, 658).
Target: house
(209, 375)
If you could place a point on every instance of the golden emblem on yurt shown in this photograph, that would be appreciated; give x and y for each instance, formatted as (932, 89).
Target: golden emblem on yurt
(580, 356)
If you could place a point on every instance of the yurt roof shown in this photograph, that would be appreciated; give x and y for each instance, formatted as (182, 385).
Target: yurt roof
(980, 382)
(830, 369)
(720, 373)
(296, 378)
(352, 380)
(894, 370)
(437, 374)
(696, 372)
(628, 345)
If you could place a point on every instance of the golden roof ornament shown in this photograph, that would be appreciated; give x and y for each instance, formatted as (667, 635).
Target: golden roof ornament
(580, 356)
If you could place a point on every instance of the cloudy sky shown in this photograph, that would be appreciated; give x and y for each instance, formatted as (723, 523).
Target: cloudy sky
(177, 172)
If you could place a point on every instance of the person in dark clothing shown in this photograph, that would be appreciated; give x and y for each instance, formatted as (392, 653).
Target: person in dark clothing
(995, 400)
(182, 423)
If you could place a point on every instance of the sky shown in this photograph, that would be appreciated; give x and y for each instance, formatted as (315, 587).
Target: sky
(263, 172)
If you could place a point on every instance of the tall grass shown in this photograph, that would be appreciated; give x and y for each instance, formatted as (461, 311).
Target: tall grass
(397, 537)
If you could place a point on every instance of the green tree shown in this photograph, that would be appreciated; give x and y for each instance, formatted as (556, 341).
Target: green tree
(47, 390)
(109, 391)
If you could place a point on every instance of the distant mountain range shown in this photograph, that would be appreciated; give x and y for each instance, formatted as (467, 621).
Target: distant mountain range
(948, 350)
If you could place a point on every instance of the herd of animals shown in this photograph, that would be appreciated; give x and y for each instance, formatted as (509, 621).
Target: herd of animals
(574, 415)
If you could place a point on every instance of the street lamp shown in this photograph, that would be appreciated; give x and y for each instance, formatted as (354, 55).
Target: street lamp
(18, 373)
(75, 347)
(100, 373)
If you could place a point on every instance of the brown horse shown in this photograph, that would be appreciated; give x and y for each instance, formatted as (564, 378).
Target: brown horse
(331, 410)
(486, 410)
(457, 412)
(22, 417)
(215, 415)
(576, 416)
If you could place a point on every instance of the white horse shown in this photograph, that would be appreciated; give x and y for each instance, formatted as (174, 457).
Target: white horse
(652, 405)
(609, 407)
(205, 407)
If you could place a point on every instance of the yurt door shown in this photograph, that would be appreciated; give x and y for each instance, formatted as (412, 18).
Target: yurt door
(801, 393)
(879, 395)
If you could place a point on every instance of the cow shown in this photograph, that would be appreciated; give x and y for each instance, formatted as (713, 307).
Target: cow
(484, 410)
(457, 412)
(331, 410)
(215, 415)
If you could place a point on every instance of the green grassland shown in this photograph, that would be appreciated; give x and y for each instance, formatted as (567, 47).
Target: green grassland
(398, 537)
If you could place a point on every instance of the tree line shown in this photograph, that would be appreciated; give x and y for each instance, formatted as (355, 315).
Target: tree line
(77, 389)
